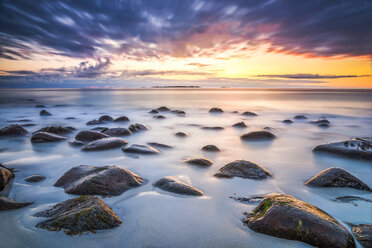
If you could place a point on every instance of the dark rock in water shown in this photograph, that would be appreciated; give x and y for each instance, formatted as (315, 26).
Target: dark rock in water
(211, 148)
(94, 122)
(102, 129)
(249, 200)
(121, 119)
(300, 117)
(70, 118)
(28, 125)
(105, 144)
(323, 125)
(235, 112)
(159, 145)
(359, 148)
(34, 178)
(321, 121)
(179, 112)
(268, 128)
(105, 118)
(159, 116)
(162, 109)
(71, 128)
(202, 162)
(6, 176)
(117, 131)
(40, 106)
(181, 134)
(248, 113)
(13, 130)
(88, 136)
(138, 127)
(213, 128)
(215, 110)
(284, 216)
(240, 124)
(92, 180)
(258, 135)
(8, 204)
(337, 177)
(55, 130)
(21, 120)
(40, 137)
(244, 169)
(141, 149)
(174, 185)
(287, 121)
(154, 111)
(351, 199)
(44, 113)
(79, 215)
(363, 233)
(76, 143)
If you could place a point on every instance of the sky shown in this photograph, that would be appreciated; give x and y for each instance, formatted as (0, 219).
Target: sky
(207, 43)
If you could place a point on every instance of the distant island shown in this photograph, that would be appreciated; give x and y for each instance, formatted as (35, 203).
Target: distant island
(177, 86)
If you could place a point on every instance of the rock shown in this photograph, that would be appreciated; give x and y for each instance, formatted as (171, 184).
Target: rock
(105, 118)
(211, 148)
(258, 135)
(118, 131)
(268, 128)
(249, 200)
(359, 148)
(351, 199)
(363, 233)
(244, 169)
(94, 122)
(138, 127)
(162, 109)
(159, 116)
(6, 176)
(102, 129)
(28, 125)
(300, 117)
(55, 130)
(235, 112)
(248, 113)
(240, 124)
(76, 143)
(159, 145)
(40, 106)
(40, 137)
(179, 112)
(337, 177)
(121, 119)
(44, 113)
(202, 162)
(181, 134)
(92, 180)
(88, 136)
(284, 216)
(154, 111)
(79, 215)
(8, 204)
(13, 130)
(287, 121)
(321, 121)
(34, 178)
(141, 149)
(213, 128)
(174, 185)
(215, 110)
(323, 125)
(70, 118)
(105, 144)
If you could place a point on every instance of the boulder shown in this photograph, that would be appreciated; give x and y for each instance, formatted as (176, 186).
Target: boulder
(215, 110)
(363, 233)
(244, 169)
(13, 130)
(178, 112)
(162, 109)
(337, 177)
(40, 137)
(45, 113)
(93, 180)
(121, 119)
(154, 111)
(105, 144)
(321, 121)
(248, 113)
(240, 124)
(287, 121)
(70, 118)
(6, 176)
(300, 117)
(34, 178)
(258, 135)
(159, 117)
(159, 145)
(211, 148)
(88, 136)
(213, 128)
(174, 185)
(76, 143)
(105, 118)
(8, 204)
(323, 125)
(55, 130)
(40, 106)
(284, 216)
(117, 131)
(138, 127)
(202, 162)
(79, 215)
(94, 122)
(359, 148)
(141, 149)
(181, 134)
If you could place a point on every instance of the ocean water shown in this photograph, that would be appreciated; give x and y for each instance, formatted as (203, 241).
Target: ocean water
(154, 218)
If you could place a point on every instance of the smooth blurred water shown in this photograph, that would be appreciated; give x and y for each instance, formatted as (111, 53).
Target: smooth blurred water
(154, 218)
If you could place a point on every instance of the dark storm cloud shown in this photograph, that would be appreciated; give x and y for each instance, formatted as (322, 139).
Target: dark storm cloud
(311, 76)
(78, 28)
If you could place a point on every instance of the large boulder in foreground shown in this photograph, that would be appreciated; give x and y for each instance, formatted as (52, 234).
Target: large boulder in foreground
(79, 215)
(201, 162)
(105, 144)
(363, 233)
(117, 131)
(284, 216)
(359, 148)
(88, 136)
(13, 130)
(6, 175)
(244, 169)
(141, 149)
(175, 185)
(337, 177)
(8, 204)
(40, 137)
(92, 180)
(258, 135)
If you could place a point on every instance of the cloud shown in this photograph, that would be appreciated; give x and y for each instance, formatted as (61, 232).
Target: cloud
(311, 76)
